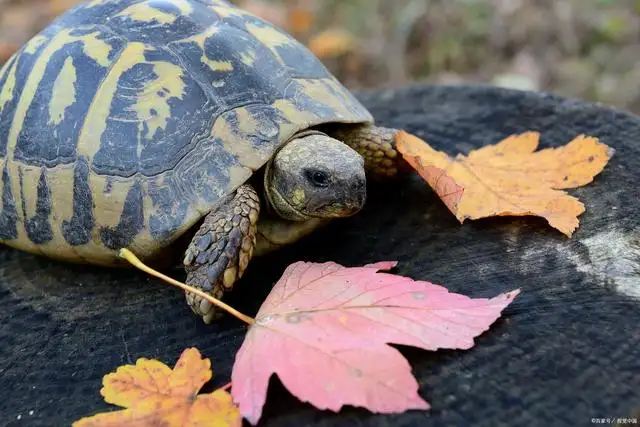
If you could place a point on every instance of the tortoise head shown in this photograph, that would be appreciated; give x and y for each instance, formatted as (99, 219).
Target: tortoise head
(315, 176)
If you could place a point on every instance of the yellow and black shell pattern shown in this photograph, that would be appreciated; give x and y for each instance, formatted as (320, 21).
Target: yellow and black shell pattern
(124, 122)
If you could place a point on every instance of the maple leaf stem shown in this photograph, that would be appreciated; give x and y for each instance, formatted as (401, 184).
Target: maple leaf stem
(226, 387)
(132, 259)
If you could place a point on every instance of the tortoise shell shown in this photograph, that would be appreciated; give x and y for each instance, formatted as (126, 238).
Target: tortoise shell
(124, 122)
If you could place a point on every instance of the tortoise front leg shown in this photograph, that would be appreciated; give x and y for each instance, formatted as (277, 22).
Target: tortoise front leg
(221, 249)
(378, 147)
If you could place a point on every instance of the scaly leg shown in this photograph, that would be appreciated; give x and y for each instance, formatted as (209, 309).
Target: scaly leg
(378, 147)
(221, 249)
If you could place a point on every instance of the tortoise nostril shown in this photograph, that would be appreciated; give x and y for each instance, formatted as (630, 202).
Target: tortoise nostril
(358, 184)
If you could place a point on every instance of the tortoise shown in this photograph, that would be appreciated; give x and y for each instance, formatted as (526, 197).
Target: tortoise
(177, 126)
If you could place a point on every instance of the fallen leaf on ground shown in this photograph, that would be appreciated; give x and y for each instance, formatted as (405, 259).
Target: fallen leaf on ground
(324, 331)
(510, 178)
(300, 20)
(155, 395)
(332, 43)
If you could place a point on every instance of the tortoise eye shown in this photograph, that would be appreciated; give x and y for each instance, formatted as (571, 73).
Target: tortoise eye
(318, 178)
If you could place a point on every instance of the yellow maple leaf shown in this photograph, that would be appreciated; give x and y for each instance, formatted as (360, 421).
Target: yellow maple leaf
(510, 178)
(155, 395)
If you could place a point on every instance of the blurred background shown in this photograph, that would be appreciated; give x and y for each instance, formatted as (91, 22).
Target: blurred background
(588, 49)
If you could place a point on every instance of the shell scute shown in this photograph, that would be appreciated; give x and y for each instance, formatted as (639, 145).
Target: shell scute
(130, 223)
(38, 227)
(77, 229)
(149, 112)
(227, 60)
(57, 96)
(170, 207)
(9, 213)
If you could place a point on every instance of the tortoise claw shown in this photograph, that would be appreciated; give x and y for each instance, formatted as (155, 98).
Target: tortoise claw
(221, 249)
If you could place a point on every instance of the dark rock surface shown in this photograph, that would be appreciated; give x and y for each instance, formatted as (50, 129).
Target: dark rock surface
(566, 351)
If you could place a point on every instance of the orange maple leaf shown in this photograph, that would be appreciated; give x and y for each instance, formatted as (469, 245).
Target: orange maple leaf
(155, 395)
(510, 178)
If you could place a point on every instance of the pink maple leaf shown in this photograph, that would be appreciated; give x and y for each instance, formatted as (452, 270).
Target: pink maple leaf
(324, 331)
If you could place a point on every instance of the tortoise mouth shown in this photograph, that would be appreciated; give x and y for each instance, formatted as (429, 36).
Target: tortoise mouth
(285, 209)
(324, 210)
(339, 209)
